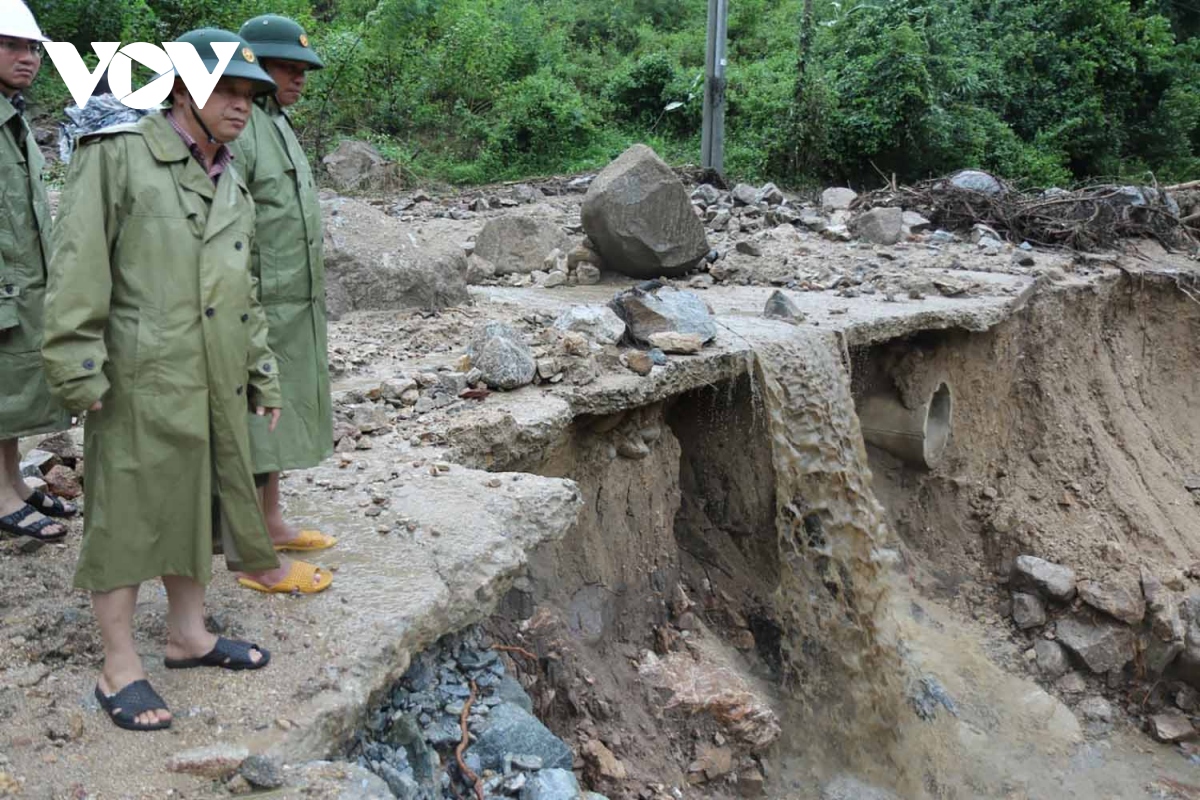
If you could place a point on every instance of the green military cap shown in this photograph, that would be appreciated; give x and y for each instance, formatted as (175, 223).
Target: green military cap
(273, 36)
(243, 64)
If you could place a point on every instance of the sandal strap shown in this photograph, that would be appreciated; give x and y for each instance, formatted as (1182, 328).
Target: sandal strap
(43, 502)
(135, 699)
(17, 517)
(234, 651)
(12, 523)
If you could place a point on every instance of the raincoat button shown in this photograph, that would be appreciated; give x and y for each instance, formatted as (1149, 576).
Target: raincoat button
(266, 368)
(209, 312)
(8, 290)
(89, 364)
(239, 391)
(245, 317)
(237, 245)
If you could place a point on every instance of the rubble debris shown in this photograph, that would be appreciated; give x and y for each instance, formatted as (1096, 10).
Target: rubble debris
(1052, 659)
(1171, 727)
(638, 214)
(356, 166)
(1052, 580)
(1119, 596)
(780, 306)
(599, 323)
(884, 226)
(1101, 644)
(838, 199)
(217, 761)
(664, 310)
(1027, 610)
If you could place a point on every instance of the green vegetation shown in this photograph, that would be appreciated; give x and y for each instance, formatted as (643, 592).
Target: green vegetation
(1043, 91)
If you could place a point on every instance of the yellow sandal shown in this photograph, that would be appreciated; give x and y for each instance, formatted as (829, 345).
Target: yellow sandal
(299, 580)
(306, 542)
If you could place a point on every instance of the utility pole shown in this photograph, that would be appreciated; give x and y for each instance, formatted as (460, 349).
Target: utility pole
(712, 139)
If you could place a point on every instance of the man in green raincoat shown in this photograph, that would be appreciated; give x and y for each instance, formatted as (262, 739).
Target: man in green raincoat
(288, 264)
(154, 328)
(26, 405)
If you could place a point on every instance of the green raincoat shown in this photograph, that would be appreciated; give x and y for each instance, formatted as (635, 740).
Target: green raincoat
(288, 264)
(26, 405)
(151, 307)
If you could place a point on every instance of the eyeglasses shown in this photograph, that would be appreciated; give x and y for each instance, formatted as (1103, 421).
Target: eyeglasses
(20, 46)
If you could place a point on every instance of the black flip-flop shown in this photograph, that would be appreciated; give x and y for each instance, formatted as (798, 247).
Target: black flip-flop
(231, 654)
(124, 707)
(12, 524)
(50, 505)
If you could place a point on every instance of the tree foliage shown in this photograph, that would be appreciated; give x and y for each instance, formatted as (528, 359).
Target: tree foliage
(1044, 91)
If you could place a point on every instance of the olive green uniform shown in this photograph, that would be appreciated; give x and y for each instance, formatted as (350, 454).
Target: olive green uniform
(151, 306)
(26, 405)
(288, 264)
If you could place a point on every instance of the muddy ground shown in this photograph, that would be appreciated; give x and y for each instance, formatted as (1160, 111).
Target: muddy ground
(1076, 389)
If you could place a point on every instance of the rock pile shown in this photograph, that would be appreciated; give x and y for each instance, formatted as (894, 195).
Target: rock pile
(411, 739)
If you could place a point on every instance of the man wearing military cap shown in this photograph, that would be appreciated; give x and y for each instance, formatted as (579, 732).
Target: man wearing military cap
(154, 328)
(26, 405)
(288, 263)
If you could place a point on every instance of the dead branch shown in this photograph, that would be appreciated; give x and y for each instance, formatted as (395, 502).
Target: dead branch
(467, 772)
(503, 648)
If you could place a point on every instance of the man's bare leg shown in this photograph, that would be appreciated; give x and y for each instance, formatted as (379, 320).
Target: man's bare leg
(14, 490)
(122, 665)
(277, 527)
(187, 637)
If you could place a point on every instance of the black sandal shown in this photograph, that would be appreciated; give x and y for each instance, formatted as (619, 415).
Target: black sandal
(124, 707)
(51, 506)
(230, 654)
(12, 524)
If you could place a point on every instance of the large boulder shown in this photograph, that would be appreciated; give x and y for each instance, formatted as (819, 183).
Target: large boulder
(370, 265)
(880, 225)
(974, 180)
(512, 729)
(356, 166)
(638, 214)
(838, 198)
(1101, 645)
(664, 311)
(519, 244)
(1120, 597)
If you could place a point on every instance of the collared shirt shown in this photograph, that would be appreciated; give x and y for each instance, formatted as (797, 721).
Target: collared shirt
(222, 160)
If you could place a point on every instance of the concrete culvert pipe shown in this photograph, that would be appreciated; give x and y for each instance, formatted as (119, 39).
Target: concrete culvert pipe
(917, 436)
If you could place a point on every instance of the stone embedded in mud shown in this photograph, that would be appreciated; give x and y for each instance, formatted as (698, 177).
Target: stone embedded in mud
(518, 244)
(637, 361)
(838, 199)
(262, 772)
(1101, 644)
(356, 165)
(1052, 580)
(769, 194)
(599, 323)
(602, 762)
(916, 223)
(479, 270)
(1028, 611)
(217, 762)
(551, 784)
(1071, 683)
(1120, 597)
(638, 215)
(713, 762)
(587, 274)
(1052, 659)
(664, 311)
(707, 194)
(880, 225)
(499, 352)
(512, 729)
(744, 194)
(780, 306)
(1171, 727)
(678, 343)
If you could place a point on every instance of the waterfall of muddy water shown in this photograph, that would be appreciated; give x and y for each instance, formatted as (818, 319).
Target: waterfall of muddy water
(844, 673)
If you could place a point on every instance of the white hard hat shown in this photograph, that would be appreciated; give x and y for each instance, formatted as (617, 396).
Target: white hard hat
(16, 20)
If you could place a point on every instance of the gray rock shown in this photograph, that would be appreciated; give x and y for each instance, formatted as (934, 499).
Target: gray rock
(551, 784)
(780, 306)
(744, 194)
(524, 193)
(402, 783)
(977, 181)
(1072, 683)
(880, 225)
(1051, 580)
(502, 356)
(1187, 699)
(942, 237)
(1101, 644)
(769, 195)
(838, 199)
(519, 244)
(1170, 727)
(1120, 597)
(848, 788)
(664, 311)
(1096, 709)
(555, 279)
(748, 248)
(262, 772)
(599, 323)
(638, 215)
(479, 270)
(512, 729)
(587, 274)
(1028, 611)
(1052, 659)
(707, 194)
(356, 166)
(814, 222)
(915, 222)
(511, 691)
